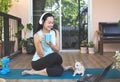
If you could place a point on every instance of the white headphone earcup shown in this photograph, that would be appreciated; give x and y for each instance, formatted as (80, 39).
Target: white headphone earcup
(40, 21)
(41, 18)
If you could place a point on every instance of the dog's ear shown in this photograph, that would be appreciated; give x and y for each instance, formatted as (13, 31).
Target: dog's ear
(117, 51)
(81, 62)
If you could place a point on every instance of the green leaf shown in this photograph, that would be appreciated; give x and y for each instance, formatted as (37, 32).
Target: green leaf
(119, 23)
(29, 26)
(20, 27)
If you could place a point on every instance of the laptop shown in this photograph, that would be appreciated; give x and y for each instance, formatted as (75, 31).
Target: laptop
(94, 78)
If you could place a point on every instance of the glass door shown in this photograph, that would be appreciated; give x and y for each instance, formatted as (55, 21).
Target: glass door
(74, 23)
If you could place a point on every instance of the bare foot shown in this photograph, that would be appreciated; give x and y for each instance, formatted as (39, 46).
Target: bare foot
(33, 72)
(25, 72)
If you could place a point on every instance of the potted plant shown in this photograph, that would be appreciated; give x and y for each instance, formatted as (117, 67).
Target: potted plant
(91, 47)
(28, 45)
(20, 28)
(83, 47)
(117, 58)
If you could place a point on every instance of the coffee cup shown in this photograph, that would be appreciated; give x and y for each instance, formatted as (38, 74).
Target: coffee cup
(47, 37)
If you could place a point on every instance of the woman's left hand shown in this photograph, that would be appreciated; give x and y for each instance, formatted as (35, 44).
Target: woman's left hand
(49, 43)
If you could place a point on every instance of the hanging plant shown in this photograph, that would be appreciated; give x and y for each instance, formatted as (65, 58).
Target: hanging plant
(29, 26)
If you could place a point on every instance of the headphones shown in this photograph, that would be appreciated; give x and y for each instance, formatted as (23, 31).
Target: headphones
(41, 18)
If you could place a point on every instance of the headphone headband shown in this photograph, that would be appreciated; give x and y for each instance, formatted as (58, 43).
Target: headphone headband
(41, 18)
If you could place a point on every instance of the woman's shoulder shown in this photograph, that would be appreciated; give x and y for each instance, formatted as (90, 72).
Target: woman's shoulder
(55, 32)
(38, 33)
(36, 37)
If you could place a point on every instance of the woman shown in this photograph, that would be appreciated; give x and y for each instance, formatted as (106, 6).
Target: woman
(46, 60)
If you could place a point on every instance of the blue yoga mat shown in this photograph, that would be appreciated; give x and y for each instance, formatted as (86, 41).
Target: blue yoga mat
(16, 74)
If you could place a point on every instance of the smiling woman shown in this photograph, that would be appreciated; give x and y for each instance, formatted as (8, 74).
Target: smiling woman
(47, 60)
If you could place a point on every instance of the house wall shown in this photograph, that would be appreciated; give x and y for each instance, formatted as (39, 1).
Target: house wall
(102, 11)
(105, 11)
(21, 10)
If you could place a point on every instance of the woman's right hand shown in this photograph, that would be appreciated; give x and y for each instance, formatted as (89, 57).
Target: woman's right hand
(40, 37)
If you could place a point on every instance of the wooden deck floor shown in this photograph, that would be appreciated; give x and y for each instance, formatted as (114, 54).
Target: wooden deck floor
(89, 61)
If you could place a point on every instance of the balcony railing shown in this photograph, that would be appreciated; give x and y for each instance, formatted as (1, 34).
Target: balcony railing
(8, 28)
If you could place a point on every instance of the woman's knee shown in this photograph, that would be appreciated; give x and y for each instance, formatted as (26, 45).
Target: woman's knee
(58, 58)
(36, 66)
(54, 58)
(55, 71)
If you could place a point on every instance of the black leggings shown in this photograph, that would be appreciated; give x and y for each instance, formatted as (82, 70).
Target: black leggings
(51, 62)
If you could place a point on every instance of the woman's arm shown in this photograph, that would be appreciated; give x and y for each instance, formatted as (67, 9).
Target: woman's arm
(37, 41)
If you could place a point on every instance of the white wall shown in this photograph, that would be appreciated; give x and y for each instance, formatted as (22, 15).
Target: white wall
(21, 10)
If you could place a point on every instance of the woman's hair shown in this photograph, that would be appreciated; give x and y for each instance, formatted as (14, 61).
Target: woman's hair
(42, 19)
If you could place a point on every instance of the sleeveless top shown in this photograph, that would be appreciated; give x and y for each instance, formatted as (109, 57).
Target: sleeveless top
(46, 49)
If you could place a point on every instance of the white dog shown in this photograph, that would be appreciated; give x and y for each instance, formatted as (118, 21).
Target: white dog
(79, 69)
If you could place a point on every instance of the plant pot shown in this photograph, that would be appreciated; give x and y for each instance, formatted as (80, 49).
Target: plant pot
(83, 50)
(24, 51)
(91, 50)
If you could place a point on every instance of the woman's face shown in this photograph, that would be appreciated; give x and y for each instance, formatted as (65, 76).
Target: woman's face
(48, 24)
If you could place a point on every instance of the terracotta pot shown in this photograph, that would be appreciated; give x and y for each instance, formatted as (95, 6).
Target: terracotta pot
(24, 51)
